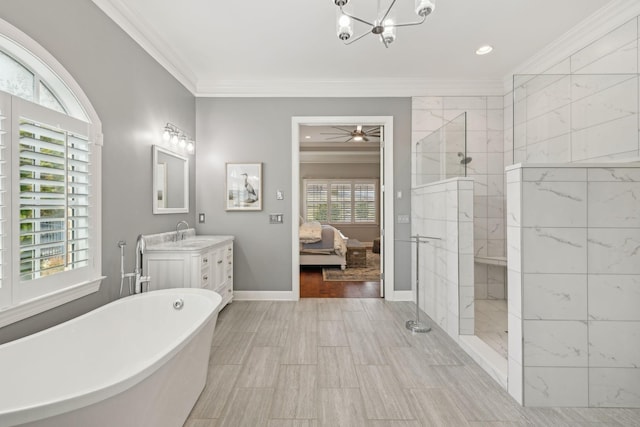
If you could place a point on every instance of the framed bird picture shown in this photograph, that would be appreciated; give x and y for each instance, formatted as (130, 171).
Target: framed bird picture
(244, 187)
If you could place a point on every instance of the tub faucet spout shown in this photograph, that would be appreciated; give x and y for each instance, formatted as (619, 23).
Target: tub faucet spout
(186, 224)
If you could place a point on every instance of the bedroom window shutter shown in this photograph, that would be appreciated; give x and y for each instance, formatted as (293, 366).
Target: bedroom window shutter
(317, 202)
(340, 203)
(364, 202)
(54, 200)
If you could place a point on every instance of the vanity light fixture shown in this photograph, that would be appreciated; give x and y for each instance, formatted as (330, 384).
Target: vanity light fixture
(382, 25)
(178, 138)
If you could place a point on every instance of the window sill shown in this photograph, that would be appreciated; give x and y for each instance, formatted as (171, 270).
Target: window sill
(35, 306)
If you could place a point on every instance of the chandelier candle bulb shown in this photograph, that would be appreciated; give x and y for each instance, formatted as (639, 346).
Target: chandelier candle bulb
(389, 32)
(345, 29)
(424, 7)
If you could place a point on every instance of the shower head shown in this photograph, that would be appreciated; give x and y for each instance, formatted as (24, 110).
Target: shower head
(464, 160)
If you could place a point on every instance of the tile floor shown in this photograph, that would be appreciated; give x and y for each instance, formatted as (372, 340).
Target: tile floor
(491, 324)
(351, 362)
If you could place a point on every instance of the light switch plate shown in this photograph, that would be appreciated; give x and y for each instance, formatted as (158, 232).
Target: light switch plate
(276, 218)
(403, 219)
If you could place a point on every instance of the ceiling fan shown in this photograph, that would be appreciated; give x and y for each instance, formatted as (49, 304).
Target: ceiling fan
(360, 133)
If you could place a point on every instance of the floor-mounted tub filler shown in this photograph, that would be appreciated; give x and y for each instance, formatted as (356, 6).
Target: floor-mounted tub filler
(138, 361)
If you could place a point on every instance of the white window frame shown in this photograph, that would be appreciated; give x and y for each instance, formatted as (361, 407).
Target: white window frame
(15, 303)
(352, 182)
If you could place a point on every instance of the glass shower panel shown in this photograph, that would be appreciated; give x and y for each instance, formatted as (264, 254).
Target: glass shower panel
(443, 153)
(568, 118)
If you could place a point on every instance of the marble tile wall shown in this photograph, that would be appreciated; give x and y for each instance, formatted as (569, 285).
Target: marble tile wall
(485, 145)
(584, 109)
(574, 285)
(445, 210)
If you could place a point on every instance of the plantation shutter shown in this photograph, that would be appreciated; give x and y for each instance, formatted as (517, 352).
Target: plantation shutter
(340, 204)
(364, 195)
(316, 201)
(54, 200)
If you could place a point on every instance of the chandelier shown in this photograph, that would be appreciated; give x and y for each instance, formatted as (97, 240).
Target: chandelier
(382, 26)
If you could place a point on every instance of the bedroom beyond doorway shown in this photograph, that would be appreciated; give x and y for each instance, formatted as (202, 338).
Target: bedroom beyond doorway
(360, 279)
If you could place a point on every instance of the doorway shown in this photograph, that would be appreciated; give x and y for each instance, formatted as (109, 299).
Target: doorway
(385, 157)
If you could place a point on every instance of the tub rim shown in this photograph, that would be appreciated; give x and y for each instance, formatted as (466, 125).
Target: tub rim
(103, 391)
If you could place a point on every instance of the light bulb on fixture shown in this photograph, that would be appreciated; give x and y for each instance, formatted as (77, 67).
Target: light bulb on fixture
(389, 32)
(190, 147)
(424, 7)
(345, 28)
(174, 138)
(167, 133)
(183, 141)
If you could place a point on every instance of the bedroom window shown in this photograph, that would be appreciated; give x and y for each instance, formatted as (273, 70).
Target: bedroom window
(341, 201)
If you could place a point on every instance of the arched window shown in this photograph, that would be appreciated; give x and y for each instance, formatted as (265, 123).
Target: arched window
(50, 148)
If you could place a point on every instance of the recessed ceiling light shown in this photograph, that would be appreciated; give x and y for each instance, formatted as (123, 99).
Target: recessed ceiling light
(307, 137)
(483, 50)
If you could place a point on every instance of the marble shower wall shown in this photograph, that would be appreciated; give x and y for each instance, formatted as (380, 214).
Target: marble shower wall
(574, 284)
(445, 209)
(485, 145)
(585, 108)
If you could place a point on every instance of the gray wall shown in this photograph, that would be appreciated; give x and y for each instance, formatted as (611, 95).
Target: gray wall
(364, 233)
(134, 97)
(259, 130)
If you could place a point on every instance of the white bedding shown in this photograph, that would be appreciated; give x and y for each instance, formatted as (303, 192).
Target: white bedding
(310, 232)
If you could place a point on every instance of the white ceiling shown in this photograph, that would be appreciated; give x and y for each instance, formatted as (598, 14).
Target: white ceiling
(290, 48)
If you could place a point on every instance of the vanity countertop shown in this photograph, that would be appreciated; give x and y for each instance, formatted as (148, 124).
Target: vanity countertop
(190, 243)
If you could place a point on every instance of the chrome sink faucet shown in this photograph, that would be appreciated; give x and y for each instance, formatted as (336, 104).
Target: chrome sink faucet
(185, 223)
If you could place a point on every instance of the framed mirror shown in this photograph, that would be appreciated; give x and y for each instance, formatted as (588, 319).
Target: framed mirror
(170, 182)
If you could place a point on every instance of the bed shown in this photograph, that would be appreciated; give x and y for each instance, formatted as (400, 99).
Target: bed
(322, 244)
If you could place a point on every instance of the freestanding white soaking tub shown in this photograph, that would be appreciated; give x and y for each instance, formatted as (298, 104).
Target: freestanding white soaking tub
(138, 361)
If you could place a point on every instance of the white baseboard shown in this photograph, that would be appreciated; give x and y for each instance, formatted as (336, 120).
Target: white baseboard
(489, 359)
(403, 296)
(263, 296)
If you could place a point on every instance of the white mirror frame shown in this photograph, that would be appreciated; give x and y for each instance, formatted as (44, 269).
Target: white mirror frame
(161, 185)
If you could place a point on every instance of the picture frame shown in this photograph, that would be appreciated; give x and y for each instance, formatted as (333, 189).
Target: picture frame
(243, 187)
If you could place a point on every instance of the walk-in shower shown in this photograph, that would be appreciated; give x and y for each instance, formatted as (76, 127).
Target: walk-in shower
(443, 153)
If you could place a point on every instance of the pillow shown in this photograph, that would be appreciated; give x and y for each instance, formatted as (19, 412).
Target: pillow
(310, 232)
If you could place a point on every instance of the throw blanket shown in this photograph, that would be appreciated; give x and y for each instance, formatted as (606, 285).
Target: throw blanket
(310, 232)
(333, 241)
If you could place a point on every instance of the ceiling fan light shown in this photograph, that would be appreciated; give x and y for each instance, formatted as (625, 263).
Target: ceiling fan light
(424, 7)
(357, 138)
(341, 3)
(345, 28)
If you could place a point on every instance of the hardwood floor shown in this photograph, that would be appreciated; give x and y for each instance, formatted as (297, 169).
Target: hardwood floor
(313, 286)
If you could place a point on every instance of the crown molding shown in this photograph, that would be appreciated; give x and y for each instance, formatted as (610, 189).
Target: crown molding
(383, 87)
(603, 21)
(140, 32)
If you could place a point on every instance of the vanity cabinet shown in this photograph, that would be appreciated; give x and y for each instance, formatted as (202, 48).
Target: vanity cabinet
(192, 263)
